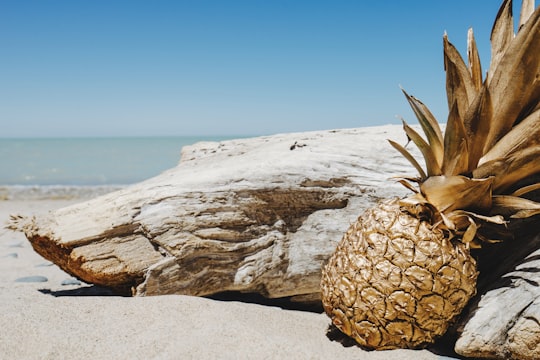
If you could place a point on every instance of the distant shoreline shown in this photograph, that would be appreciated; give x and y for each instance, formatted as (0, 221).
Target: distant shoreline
(80, 169)
(55, 192)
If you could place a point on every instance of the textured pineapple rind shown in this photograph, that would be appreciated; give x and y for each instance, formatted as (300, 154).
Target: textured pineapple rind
(395, 281)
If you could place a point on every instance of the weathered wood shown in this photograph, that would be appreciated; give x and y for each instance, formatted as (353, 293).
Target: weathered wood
(254, 215)
(504, 320)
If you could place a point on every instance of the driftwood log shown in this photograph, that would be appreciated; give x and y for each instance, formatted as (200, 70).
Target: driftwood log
(256, 215)
(503, 321)
(261, 215)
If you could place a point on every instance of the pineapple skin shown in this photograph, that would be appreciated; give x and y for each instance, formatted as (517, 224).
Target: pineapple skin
(395, 281)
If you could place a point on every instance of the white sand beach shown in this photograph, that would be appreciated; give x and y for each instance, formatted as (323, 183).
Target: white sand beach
(48, 315)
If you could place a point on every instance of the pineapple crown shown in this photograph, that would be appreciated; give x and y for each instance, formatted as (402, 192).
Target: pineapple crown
(489, 156)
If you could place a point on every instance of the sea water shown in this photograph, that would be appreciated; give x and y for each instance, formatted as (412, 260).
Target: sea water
(84, 167)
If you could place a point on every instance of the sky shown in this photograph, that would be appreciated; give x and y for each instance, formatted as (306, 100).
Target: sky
(226, 68)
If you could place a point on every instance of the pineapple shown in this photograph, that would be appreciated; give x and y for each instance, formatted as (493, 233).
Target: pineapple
(403, 271)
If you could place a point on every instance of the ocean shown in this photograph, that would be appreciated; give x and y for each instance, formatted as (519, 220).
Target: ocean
(45, 168)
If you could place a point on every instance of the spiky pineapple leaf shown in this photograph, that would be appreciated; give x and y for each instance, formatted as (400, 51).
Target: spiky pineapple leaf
(458, 164)
(456, 154)
(449, 224)
(502, 33)
(526, 189)
(408, 185)
(473, 59)
(432, 166)
(407, 155)
(460, 89)
(459, 221)
(470, 227)
(459, 218)
(513, 83)
(430, 126)
(527, 8)
(514, 207)
(494, 219)
(448, 193)
(517, 166)
(523, 135)
(413, 200)
(477, 125)
(470, 233)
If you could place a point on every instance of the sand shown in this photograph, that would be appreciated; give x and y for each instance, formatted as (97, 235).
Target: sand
(46, 314)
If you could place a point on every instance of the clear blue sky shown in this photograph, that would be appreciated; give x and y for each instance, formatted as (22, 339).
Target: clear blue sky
(131, 68)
